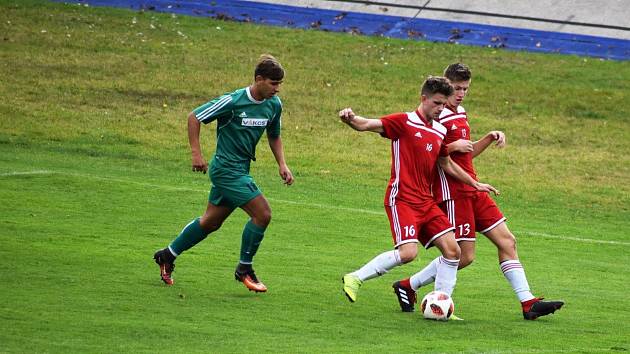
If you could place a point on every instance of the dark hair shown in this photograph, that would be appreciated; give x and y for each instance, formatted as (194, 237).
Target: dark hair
(436, 84)
(269, 68)
(457, 72)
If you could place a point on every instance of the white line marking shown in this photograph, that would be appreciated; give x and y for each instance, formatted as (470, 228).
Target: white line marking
(26, 173)
(314, 205)
(580, 239)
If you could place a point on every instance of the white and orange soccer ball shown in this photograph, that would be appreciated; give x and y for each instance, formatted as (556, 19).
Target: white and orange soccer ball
(437, 305)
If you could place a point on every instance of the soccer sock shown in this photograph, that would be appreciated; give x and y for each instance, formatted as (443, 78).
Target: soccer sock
(252, 237)
(379, 265)
(515, 274)
(425, 276)
(191, 235)
(446, 275)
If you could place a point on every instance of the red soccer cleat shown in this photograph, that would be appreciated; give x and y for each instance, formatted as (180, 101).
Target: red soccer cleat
(250, 281)
(536, 307)
(405, 294)
(167, 265)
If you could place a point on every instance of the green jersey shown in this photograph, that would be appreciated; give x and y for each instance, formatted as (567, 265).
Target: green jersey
(241, 121)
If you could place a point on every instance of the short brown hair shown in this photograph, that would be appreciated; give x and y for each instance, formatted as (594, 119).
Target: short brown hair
(269, 68)
(457, 72)
(436, 84)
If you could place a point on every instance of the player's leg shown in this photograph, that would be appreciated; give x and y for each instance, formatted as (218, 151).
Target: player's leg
(193, 233)
(253, 233)
(461, 216)
(442, 270)
(468, 253)
(492, 224)
(376, 267)
(434, 230)
(446, 268)
(403, 226)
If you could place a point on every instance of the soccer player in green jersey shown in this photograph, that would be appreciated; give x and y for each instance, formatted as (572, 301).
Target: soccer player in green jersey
(242, 117)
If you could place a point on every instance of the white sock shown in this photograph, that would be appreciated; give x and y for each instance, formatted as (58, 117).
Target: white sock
(379, 265)
(446, 275)
(514, 273)
(425, 276)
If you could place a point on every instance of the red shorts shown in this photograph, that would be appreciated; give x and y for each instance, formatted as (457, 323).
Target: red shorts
(413, 224)
(478, 213)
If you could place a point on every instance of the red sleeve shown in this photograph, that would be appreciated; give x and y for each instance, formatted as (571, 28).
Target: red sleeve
(393, 125)
(443, 149)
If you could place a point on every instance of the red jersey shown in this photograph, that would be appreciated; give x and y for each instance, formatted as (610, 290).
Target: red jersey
(416, 145)
(446, 187)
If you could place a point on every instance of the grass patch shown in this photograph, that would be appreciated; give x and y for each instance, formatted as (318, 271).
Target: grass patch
(95, 175)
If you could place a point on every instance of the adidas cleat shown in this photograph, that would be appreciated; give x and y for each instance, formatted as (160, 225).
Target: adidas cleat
(405, 294)
(455, 318)
(536, 307)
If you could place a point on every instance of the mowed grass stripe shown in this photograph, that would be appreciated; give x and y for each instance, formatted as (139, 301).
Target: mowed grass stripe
(312, 205)
(106, 92)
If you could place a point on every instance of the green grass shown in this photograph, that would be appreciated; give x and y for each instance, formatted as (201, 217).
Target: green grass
(94, 176)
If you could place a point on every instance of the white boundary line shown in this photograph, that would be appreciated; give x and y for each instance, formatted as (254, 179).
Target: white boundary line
(570, 238)
(313, 205)
(26, 173)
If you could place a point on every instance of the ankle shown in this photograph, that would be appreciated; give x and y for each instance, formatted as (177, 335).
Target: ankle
(527, 305)
(406, 283)
(168, 255)
(243, 268)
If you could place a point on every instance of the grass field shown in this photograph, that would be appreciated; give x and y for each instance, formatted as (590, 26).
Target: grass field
(95, 176)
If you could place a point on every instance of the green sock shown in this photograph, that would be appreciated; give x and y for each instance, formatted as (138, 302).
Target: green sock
(252, 237)
(191, 235)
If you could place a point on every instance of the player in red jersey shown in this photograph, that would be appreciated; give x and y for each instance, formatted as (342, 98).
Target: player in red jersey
(413, 214)
(470, 211)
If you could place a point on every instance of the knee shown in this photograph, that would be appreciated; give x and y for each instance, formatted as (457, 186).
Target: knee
(465, 261)
(209, 225)
(508, 243)
(452, 251)
(407, 254)
(263, 218)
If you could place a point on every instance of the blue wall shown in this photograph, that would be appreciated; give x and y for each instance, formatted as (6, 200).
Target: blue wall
(383, 25)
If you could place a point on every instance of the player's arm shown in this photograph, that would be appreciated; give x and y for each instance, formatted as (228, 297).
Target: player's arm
(359, 123)
(461, 145)
(194, 127)
(454, 170)
(480, 145)
(275, 143)
(206, 113)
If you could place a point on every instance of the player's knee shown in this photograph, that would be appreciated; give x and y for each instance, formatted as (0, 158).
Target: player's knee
(263, 218)
(465, 261)
(408, 254)
(508, 243)
(208, 225)
(452, 252)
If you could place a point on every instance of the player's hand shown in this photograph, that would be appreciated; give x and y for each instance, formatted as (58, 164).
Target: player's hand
(286, 175)
(484, 187)
(499, 137)
(199, 164)
(461, 145)
(346, 115)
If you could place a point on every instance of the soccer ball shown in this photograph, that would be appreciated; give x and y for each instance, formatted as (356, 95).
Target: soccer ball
(437, 305)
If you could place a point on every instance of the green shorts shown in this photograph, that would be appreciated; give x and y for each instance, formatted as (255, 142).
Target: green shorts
(232, 186)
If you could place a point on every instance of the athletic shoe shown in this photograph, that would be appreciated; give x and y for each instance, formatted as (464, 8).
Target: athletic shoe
(250, 281)
(534, 308)
(164, 258)
(405, 294)
(455, 318)
(351, 285)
